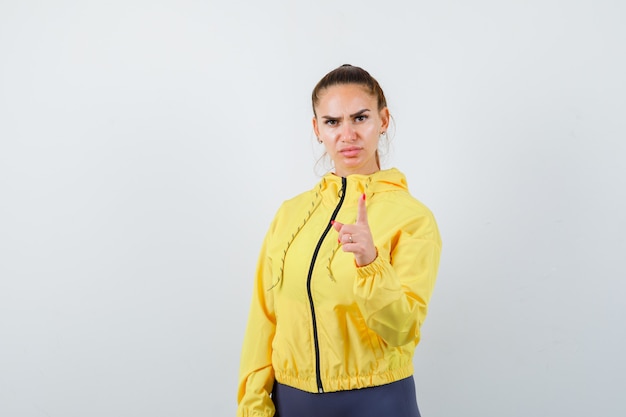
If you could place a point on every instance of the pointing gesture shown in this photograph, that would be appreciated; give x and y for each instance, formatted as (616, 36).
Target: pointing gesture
(357, 237)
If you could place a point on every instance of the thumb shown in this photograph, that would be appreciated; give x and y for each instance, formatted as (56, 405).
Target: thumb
(336, 225)
(361, 216)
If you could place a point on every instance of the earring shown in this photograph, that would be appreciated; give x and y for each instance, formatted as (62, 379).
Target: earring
(319, 140)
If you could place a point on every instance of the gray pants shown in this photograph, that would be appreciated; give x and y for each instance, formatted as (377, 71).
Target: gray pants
(392, 400)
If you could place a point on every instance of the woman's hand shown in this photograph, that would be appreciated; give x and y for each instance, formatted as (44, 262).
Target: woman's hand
(357, 238)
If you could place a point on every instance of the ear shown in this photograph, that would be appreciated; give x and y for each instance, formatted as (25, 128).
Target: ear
(384, 117)
(316, 127)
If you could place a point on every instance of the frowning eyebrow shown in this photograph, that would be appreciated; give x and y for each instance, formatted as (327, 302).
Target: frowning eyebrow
(357, 114)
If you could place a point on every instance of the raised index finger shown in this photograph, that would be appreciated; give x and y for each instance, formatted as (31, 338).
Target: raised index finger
(361, 215)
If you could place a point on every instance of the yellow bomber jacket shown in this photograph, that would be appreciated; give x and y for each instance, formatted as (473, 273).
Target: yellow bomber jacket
(318, 322)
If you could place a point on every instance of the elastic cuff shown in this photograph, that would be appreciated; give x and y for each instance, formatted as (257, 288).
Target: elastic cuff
(371, 269)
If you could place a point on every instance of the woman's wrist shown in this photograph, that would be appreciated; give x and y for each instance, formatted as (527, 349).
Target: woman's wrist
(360, 263)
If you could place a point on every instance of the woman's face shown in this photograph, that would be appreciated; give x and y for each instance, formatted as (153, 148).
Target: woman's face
(349, 124)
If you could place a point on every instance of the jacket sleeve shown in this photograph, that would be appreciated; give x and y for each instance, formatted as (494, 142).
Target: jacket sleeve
(256, 375)
(393, 291)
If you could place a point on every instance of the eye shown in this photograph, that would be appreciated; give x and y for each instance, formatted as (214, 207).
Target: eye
(360, 118)
(331, 122)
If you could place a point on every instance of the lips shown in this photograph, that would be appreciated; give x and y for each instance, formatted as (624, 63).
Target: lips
(351, 151)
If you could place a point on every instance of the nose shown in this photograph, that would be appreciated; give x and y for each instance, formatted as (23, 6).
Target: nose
(348, 134)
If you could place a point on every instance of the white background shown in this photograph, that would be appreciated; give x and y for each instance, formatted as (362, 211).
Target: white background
(145, 146)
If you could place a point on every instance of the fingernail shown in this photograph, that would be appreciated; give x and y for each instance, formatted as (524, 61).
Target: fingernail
(338, 240)
(332, 222)
(363, 196)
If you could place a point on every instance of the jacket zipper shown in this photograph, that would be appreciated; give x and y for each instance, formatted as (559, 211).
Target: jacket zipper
(318, 373)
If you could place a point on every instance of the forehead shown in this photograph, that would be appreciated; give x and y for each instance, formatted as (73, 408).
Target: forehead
(346, 95)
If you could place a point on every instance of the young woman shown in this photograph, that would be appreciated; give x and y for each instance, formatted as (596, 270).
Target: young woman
(344, 277)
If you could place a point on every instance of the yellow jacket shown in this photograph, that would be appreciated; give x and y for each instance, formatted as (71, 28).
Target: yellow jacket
(317, 321)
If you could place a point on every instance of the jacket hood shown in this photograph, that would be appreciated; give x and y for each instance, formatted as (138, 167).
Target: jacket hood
(379, 182)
